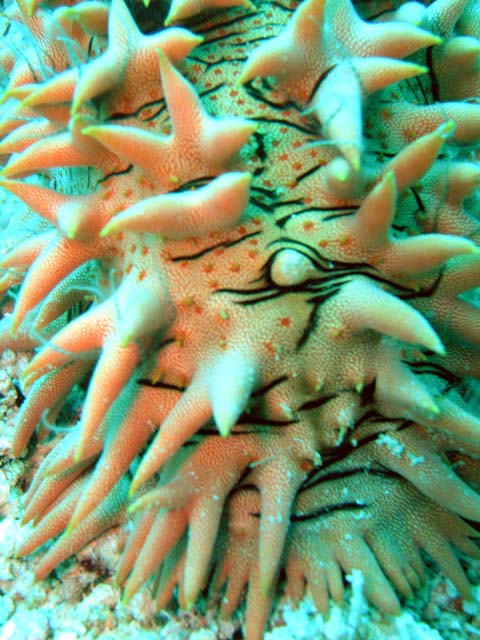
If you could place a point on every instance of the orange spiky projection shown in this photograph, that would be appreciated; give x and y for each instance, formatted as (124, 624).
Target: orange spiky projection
(253, 236)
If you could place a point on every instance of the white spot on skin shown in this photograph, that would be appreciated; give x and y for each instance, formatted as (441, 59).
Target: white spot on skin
(414, 460)
(395, 447)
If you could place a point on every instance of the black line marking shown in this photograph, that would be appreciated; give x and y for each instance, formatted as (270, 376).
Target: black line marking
(266, 388)
(367, 394)
(285, 123)
(282, 221)
(335, 216)
(317, 84)
(222, 25)
(426, 368)
(116, 173)
(338, 454)
(343, 506)
(319, 402)
(257, 95)
(262, 205)
(433, 78)
(145, 382)
(260, 151)
(137, 113)
(312, 322)
(199, 254)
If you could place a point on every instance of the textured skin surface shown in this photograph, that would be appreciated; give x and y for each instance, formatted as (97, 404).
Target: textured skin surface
(250, 241)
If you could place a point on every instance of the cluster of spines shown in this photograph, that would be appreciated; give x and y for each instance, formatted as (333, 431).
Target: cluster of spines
(84, 226)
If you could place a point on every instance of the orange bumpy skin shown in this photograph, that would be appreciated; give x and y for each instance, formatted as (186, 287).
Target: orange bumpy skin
(253, 236)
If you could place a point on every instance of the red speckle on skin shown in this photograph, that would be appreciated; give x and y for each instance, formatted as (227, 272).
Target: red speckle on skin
(107, 194)
(306, 465)
(208, 267)
(409, 133)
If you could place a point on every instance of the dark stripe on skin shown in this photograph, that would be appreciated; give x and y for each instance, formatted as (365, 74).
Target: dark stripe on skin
(116, 173)
(282, 221)
(319, 82)
(432, 76)
(145, 382)
(266, 388)
(338, 454)
(284, 123)
(312, 320)
(194, 256)
(240, 18)
(335, 216)
(344, 506)
(315, 404)
(262, 205)
(257, 95)
(136, 114)
(426, 368)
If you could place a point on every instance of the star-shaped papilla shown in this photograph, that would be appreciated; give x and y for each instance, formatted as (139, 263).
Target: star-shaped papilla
(91, 15)
(442, 16)
(216, 206)
(77, 217)
(305, 49)
(184, 9)
(198, 146)
(52, 39)
(68, 148)
(77, 22)
(27, 134)
(129, 65)
(337, 102)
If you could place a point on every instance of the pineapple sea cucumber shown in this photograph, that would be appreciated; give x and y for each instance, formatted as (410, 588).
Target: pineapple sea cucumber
(251, 237)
